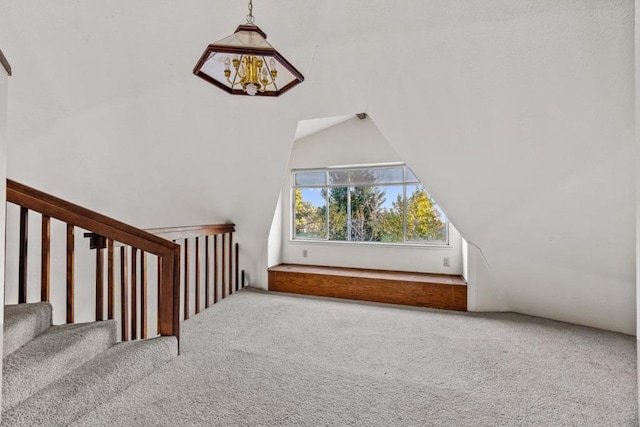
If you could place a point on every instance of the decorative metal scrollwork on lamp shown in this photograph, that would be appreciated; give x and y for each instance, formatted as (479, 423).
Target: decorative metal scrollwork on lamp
(246, 64)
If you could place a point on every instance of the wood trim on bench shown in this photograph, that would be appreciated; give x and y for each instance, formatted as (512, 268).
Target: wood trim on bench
(393, 287)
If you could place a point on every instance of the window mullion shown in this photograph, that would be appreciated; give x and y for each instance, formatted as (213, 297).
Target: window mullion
(349, 213)
(326, 200)
(404, 211)
(293, 213)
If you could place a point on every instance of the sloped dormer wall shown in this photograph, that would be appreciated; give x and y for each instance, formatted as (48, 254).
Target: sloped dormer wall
(518, 114)
(351, 143)
(534, 106)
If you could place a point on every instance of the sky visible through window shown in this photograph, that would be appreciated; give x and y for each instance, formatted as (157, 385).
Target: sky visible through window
(391, 194)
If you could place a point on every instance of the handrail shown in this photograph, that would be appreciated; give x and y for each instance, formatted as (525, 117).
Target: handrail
(74, 215)
(189, 231)
(103, 225)
(172, 233)
(221, 262)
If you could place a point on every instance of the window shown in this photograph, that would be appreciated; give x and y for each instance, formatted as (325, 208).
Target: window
(385, 204)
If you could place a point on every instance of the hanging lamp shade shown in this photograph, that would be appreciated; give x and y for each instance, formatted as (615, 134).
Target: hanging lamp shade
(245, 63)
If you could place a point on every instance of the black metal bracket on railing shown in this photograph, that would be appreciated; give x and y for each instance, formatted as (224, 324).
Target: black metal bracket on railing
(96, 241)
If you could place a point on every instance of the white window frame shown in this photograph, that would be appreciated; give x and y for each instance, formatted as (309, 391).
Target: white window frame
(326, 185)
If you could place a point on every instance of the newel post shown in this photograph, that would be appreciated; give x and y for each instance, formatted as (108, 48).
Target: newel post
(169, 295)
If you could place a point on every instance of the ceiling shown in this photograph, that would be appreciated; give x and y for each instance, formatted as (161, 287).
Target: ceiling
(311, 126)
(517, 114)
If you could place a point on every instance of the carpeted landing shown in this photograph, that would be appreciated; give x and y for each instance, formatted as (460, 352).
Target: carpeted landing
(258, 359)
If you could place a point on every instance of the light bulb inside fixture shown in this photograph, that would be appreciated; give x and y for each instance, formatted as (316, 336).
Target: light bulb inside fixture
(272, 64)
(227, 63)
(251, 89)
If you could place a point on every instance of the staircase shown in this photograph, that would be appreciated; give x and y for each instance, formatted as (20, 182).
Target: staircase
(52, 375)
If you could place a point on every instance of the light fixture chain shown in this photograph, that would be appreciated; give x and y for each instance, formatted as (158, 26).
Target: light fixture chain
(250, 18)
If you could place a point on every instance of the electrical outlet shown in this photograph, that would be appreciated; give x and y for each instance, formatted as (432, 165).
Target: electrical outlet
(445, 261)
(305, 253)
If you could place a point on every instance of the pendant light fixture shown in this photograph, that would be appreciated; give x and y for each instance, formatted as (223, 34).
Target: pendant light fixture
(246, 64)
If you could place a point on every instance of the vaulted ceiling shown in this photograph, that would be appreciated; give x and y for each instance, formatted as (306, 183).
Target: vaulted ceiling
(518, 114)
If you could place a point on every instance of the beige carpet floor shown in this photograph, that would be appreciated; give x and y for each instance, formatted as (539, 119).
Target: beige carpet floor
(258, 359)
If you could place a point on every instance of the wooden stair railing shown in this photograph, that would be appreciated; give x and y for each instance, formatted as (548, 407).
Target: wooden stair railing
(221, 265)
(105, 233)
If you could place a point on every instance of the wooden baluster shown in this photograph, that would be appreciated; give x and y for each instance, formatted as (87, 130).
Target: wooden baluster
(22, 261)
(99, 283)
(70, 275)
(206, 271)
(197, 275)
(224, 283)
(237, 263)
(215, 269)
(124, 293)
(143, 294)
(110, 281)
(186, 279)
(230, 263)
(242, 278)
(45, 260)
(134, 294)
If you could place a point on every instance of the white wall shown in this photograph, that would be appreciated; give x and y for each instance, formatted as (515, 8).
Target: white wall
(357, 142)
(274, 241)
(518, 114)
(533, 101)
(637, 159)
(143, 145)
(483, 293)
(4, 87)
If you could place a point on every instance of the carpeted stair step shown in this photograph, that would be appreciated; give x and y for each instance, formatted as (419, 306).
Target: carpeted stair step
(52, 355)
(22, 323)
(93, 383)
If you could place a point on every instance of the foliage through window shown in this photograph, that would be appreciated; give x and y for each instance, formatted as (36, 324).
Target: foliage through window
(374, 204)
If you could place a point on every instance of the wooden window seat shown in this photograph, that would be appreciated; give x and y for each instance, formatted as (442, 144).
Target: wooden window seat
(395, 287)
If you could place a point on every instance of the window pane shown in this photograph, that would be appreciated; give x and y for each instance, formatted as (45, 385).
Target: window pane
(425, 220)
(307, 179)
(339, 178)
(376, 214)
(366, 204)
(391, 226)
(310, 207)
(337, 213)
(376, 176)
(411, 178)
